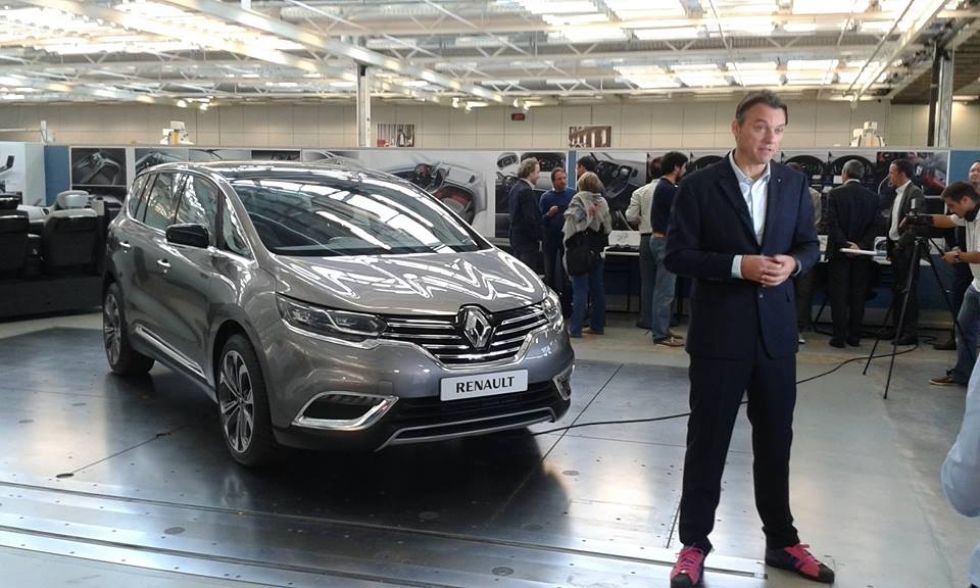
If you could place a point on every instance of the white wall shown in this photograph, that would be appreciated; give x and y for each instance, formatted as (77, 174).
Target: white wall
(635, 125)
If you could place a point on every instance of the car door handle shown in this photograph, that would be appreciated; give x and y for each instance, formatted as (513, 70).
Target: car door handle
(163, 263)
(125, 244)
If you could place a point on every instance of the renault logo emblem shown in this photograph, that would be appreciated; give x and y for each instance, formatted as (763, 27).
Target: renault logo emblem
(476, 326)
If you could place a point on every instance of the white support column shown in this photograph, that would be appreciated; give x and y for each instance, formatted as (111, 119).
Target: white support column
(944, 110)
(364, 79)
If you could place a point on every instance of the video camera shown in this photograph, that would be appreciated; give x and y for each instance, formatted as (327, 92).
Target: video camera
(921, 225)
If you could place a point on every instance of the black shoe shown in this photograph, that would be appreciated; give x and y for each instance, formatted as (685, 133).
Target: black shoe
(835, 342)
(945, 345)
(642, 325)
(906, 340)
(854, 342)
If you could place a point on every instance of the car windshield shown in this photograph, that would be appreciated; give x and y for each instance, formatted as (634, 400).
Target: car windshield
(322, 216)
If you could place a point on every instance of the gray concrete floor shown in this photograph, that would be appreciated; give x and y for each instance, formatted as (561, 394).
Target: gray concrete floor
(590, 506)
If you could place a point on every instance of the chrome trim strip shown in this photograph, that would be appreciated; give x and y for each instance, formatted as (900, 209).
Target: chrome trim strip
(533, 313)
(527, 327)
(364, 421)
(507, 341)
(387, 335)
(543, 414)
(174, 355)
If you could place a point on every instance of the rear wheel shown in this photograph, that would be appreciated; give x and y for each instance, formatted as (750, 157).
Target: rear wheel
(123, 359)
(244, 407)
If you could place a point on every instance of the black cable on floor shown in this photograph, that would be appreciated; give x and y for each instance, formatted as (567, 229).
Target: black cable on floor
(686, 414)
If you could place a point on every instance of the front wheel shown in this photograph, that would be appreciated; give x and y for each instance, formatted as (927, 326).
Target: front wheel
(244, 407)
(123, 359)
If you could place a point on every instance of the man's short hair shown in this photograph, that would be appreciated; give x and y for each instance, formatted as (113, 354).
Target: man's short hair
(526, 168)
(588, 163)
(854, 169)
(555, 171)
(767, 97)
(672, 161)
(589, 182)
(959, 190)
(905, 166)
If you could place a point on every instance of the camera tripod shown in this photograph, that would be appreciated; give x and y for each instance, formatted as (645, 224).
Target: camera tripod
(920, 249)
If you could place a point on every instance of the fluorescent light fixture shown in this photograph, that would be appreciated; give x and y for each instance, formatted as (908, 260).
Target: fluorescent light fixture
(754, 26)
(667, 34)
(500, 82)
(181, 103)
(476, 104)
(651, 9)
(557, 7)
(399, 43)
(610, 33)
(564, 81)
(966, 98)
(829, 6)
(752, 66)
(799, 27)
(876, 26)
(760, 79)
(703, 80)
(573, 20)
(811, 64)
(481, 41)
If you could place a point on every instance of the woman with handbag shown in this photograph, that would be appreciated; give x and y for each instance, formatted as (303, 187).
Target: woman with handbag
(586, 234)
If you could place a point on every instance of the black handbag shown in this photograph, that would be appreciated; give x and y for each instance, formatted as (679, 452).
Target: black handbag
(583, 251)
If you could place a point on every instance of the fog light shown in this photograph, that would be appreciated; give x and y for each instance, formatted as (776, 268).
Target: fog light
(563, 382)
(343, 411)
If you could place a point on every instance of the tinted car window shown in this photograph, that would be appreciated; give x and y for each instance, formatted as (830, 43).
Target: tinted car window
(232, 235)
(331, 216)
(135, 193)
(198, 204)
(162, 201)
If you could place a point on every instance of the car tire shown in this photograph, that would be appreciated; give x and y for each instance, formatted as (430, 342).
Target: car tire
(243, 405)
(123, 359)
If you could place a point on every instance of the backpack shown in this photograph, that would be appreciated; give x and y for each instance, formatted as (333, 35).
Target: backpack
(583, 251)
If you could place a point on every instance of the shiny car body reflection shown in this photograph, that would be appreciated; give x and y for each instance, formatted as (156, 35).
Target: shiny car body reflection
(325, 306)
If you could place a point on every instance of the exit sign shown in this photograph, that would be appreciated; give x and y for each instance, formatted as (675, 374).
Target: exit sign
(517, 116)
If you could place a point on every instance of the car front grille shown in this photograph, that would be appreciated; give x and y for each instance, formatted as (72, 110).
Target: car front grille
(443, 337)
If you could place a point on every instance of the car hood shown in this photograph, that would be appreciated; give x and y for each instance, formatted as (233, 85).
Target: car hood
(417, 284)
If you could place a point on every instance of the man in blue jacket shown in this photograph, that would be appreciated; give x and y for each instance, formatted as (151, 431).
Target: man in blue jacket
(552, 207)
(740, 229)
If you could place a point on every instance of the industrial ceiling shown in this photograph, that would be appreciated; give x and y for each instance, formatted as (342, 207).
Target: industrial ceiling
(471, 53)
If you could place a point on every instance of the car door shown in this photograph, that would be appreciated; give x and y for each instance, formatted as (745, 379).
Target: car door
(186, 275)
(141, 239)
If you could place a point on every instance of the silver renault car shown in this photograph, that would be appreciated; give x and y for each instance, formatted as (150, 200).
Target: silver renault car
(324, 306)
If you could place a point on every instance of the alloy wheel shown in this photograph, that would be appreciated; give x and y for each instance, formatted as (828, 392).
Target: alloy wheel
(237, 401)
(111, 335)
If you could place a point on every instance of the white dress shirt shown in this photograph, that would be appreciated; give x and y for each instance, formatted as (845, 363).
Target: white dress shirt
(755, 193)
(638, 212)
(896, 207)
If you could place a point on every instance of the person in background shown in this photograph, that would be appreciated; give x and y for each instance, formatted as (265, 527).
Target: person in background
(638, 215)
(525, 216)
(962, 276)
(900, 244)
(553, 204)
(740, 229)
(673, 166)
(804, 282)
(588, 210)
(961, 470)
(585, 164)
(852, 212)
(964, 202)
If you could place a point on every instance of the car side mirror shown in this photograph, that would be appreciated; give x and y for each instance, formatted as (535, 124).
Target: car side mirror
(189, 234)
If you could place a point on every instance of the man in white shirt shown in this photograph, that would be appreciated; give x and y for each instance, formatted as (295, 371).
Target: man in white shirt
(962, 200)
(638, 215)
(900, 243)
(961, 470)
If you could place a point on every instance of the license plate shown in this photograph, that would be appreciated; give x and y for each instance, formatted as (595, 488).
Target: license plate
(483, 385)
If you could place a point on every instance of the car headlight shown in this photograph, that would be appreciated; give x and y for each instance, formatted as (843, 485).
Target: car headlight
(342, 324)
(552, 310)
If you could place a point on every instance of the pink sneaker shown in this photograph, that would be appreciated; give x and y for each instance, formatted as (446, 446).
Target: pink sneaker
(689, 568)
(798, 559)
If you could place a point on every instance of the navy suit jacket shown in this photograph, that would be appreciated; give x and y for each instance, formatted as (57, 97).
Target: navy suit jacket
(710, 224)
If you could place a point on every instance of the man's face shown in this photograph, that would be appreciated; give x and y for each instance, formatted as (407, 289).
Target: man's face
(533, 178)
(974, 176)
(579, 170)
(758, 138)
(682, 171)
(560, 182)
(895, 176)
(960, 207)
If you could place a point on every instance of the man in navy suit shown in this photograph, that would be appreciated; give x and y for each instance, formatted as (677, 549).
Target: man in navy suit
(740, 230)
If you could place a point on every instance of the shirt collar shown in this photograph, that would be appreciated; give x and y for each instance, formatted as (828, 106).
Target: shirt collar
(741, 176)
(901, 189)
(851, 180)
(528, 182)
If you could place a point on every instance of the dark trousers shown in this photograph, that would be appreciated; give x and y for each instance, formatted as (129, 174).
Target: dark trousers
(528, 255)
(553, 251)
(901, 265)
(803, 284)
(717, 387)
(962, 278)
(847, 281)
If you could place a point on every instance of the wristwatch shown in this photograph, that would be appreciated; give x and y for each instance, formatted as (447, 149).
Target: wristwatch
(956, 256)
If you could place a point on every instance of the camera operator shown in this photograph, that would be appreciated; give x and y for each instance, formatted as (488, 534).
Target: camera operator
(962, 200)
(901, 248)
(962, 275)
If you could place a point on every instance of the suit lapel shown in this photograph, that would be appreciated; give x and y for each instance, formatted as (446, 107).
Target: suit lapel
(772, 201)
(728, 185)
